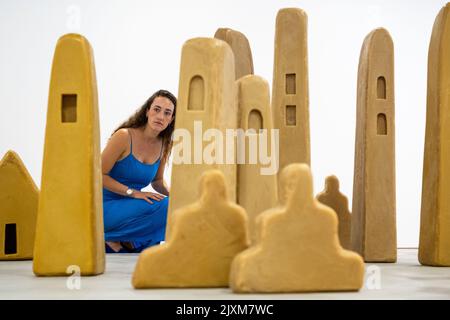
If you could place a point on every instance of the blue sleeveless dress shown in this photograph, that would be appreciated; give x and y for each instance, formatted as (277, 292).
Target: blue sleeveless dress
(134, 220)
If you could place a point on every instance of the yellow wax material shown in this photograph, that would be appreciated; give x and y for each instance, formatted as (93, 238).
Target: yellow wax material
(241, 50)
(334, 199)
(257, 189)
(69, 233)
(206, 100)
(297, 248)
(434, 243)
(374, 234)
(206, 236)
(18, 209)
(290, 93)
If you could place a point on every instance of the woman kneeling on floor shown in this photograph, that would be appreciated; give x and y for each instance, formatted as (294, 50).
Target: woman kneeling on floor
(134, 157)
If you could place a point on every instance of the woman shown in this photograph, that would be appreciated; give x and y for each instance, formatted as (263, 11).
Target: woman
(134, 157)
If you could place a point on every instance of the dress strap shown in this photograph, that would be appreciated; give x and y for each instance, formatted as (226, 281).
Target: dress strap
(131, 141)
(162, 147)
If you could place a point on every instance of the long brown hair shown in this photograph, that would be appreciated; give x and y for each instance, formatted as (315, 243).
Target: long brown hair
(139, 119)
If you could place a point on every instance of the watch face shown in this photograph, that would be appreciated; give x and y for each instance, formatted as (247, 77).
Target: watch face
(129, 191)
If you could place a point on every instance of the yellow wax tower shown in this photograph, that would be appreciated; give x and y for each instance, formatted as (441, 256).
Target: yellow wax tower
(290, 98)
(434, 243)
(206, 100)
(241, 50)
(18, 209)
(374, 233)
(257, 190)
(70, 217)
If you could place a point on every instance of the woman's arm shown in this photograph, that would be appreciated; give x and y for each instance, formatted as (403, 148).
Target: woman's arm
(114, 150)
(117, 147)
(158, 182)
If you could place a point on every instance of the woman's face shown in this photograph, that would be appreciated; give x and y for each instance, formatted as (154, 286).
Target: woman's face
(160, 113)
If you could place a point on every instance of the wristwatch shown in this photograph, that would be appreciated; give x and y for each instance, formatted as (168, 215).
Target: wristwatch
(129, 192)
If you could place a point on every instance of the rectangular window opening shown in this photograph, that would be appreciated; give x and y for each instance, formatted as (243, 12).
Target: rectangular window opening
(291, 83)
(69, 108)
(10, 238)
(291, 115)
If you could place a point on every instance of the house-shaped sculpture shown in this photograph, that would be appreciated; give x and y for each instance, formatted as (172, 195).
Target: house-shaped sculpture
(18, 208)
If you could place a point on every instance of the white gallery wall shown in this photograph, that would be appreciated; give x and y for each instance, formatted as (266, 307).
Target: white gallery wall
(137, 46)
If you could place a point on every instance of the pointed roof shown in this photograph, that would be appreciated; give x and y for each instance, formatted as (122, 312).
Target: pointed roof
(11, 158)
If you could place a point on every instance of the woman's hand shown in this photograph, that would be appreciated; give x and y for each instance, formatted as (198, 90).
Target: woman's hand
(147, 196)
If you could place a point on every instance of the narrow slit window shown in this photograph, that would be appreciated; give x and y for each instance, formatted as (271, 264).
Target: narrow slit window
(290, 83)
(255, 120)
(381, 88)
(291, 115)
(196, 94)
(10, 238)
(381, 124)
(69, 108)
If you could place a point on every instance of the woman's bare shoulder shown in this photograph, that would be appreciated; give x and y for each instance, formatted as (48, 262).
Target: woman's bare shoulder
(120, 138)
(121, 135)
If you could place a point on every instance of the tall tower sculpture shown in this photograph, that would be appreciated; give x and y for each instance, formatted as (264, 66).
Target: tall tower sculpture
(69, 228)
(241, 49)
(256, 192)
(290, 99)
(374, 213)
(206, 100)
(434, 243)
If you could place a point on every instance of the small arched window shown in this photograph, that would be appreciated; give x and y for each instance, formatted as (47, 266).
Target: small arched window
(255, 120)
(196, 94)
(381, 124)
(381, 88)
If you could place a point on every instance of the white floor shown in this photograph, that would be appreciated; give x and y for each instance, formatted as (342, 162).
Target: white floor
(406, 279)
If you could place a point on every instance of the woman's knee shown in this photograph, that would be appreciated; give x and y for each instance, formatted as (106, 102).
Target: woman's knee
(160, 206)
(164, 209)
(164, 204)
